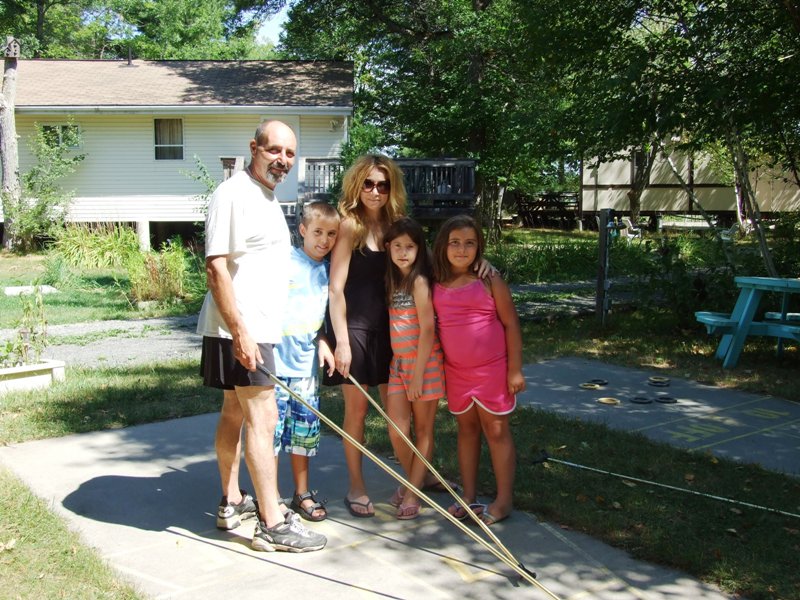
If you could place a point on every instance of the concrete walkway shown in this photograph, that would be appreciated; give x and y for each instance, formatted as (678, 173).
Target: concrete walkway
(145, 498)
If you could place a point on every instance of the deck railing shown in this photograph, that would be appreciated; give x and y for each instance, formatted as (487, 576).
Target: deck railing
(436, 188)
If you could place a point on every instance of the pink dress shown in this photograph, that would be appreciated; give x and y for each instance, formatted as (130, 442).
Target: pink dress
(474, 342)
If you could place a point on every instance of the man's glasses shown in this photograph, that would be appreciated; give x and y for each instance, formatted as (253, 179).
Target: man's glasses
(369, 185)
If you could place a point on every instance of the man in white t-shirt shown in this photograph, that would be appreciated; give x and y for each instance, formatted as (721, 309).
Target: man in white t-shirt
(247, 262)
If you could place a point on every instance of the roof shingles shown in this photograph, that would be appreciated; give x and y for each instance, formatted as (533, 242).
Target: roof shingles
(80, 83)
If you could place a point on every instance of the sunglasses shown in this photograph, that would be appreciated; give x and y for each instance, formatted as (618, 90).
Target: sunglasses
(369, 185)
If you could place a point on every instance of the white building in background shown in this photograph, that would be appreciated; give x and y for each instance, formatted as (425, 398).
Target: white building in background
(142, 124)
(607, 186)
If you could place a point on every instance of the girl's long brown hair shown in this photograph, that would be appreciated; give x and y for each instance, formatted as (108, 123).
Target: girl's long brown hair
(395, 280)
(350, 200)
(441, 266)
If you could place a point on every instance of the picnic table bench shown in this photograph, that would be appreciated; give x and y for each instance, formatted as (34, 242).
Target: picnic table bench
(739, 324)
(683, 222)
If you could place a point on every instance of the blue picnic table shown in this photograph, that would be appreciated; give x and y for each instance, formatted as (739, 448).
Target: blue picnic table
(737, 326)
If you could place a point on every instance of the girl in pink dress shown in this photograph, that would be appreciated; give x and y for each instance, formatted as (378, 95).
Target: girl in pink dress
(480, 334)
(416, 375)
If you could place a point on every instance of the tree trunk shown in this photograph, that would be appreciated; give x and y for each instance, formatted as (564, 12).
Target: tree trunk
(9, 157)
(729, 258)
(741, 165)
(641, 176)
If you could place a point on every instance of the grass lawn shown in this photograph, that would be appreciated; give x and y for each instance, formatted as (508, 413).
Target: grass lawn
(94, 295)
(744, 550)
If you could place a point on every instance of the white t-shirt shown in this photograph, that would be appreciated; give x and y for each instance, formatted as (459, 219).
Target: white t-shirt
(245, 223)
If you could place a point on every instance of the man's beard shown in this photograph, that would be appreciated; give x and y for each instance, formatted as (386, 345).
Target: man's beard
(280, 177)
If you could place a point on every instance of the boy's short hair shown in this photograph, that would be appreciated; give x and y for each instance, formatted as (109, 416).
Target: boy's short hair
(319, 209)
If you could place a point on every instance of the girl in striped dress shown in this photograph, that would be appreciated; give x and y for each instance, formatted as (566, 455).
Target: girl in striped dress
(416, 377)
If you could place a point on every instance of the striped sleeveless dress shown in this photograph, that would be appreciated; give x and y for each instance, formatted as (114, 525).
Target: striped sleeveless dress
(404, 331)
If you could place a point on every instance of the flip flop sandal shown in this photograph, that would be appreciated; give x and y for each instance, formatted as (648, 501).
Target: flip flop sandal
(397, 497)
(590, 386)
(641, 400)
(438, 487)
(599, 381)
(457, 511)
(666, 399)
(406, 513)
(361, 515)
(307, 512)
(608, 400)
(489, 519)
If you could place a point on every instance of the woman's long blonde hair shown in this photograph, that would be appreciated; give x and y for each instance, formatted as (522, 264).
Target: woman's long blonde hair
(349, 201)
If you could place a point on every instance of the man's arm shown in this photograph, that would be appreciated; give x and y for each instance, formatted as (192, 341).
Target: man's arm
(220, 285)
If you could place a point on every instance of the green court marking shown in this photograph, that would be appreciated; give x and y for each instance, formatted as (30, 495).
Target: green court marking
(697, 431)
(704, 415)
(748, 434)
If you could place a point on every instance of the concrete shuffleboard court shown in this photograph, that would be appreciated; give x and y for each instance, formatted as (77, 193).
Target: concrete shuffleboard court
(740, 426)
(145, 498)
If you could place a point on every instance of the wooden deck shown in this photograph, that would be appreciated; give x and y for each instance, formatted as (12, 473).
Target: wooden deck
(437, 188)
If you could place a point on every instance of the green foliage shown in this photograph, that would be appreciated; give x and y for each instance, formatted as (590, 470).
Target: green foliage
(159, 275)
(188, 30)
(42, 557)
(551, 260)
(786, 241)
(57, 272)
(31, 338)
(96, 246)
(40, 211)
(168, 29)
(203, 176)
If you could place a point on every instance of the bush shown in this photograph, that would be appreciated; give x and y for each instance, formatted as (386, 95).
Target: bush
(561, 260)
(57, 272)
(159, 275)
(31, 338)
(37, 215)
(96, 246)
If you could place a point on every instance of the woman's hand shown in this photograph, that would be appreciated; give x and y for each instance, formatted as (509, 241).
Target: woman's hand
(485, 269)
(343, 357)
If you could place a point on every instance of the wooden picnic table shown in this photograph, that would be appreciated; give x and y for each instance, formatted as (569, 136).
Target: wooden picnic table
(736, 327)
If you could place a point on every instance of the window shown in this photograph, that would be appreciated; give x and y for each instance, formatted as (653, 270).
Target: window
(68, 135)
(169, 139)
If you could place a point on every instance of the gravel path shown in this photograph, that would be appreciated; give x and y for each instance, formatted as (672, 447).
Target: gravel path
(124, 343)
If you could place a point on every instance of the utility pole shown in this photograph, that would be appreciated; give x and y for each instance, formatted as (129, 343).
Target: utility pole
(9, 155)
(606, 226)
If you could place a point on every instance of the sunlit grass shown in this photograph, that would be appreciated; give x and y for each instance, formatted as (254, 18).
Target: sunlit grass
(41, 558)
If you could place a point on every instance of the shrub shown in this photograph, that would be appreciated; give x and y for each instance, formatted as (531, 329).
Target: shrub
(158, 275)
(96, 246)
(31, 338)
(39, 212)
(57, 272)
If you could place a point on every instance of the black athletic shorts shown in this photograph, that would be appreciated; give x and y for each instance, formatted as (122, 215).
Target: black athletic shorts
(220, 369)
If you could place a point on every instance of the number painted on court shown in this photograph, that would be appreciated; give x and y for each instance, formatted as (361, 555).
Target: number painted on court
(696, 432)
(766, 413)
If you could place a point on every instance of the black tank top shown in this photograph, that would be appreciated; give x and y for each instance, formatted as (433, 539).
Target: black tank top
(365, 291)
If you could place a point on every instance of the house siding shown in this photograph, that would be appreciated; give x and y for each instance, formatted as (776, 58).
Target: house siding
(120, 179)
(607, 185)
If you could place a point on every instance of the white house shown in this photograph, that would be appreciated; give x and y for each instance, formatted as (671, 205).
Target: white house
(606, 186)
(142, 124)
